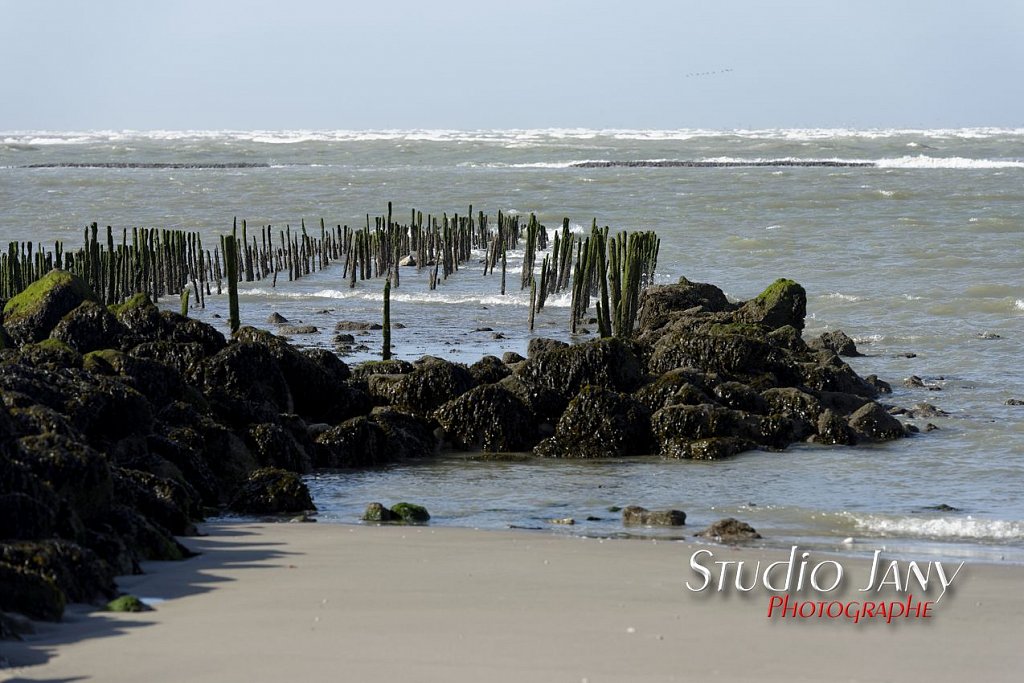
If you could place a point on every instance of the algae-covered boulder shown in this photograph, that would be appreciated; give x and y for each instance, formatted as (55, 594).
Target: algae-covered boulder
(357, 442)
(31, 315)
(729, 530)
(30, 593)
(489, 370)
(270, 490)
(89, 327)
(872, 422)
(79, 573)
(489, 418)
(376, 512)
(660, 303)
(702, 432)
(611, 363)
(245, 384)
(127, 603)
(274, 446)
(599, 423)
(784, 302)
(837, 342)
(432, 383)
(410, 513)
(406, 436)
(634, 515)
(77, 473)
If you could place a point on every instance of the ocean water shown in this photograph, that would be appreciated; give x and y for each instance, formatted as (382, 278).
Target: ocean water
(917, 256)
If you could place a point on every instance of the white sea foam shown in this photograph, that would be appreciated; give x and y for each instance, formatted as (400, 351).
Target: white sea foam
(966, 527)
(1019, 304)
(499, 136)
(841, 297)
(428, 297)
(922, 161)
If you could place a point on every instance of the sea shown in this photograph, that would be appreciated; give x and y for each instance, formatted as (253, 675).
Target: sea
(916, 253)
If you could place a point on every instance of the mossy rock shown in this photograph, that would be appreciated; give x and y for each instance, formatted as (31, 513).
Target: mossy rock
(784, 302)
(376, 512)
(136, 301)
(410, 513)
(32, 314)
(127, 603)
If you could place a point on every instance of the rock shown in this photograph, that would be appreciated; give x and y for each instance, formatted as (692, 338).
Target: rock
(599, 423)
(1014, 402)
(23, 517)
(77, 572)
(31, 315)
(873, 423)
(737, 352)
(634, 515)
(830, 373)
(409, 260)
(432, 383)
(406, 436)
(297, 329)
(565, 521)
(739, 397)
(541, 345)
(276, 318)
(511, 358)
(714, 448)
(76, 473)
(30, 593)
(89, 327)
(837, 342)
(681, 386)
(127, 603)
(364, 371)
(375, 512)
(410, 513)
(833, 429)
(167, 502)
(273, 446)
(357, 442)
(245, 384)
(353, 326)
(660, 303)
(729, 530)
(677, 426)
(611, 363)
(782, 303)
(925, 410)
(488, 417)
(488, 370)
(270, 490)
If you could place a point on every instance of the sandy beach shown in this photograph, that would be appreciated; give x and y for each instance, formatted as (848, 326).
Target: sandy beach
(269, 602)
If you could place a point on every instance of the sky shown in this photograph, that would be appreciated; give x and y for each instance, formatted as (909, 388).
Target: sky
(472, 64)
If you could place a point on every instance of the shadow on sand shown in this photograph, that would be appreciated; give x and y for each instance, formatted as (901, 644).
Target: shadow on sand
(224, 546)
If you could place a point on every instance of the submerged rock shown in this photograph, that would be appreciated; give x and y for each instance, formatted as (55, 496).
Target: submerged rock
(634, 515)
(729, 530)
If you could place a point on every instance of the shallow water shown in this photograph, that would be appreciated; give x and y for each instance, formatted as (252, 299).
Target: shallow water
(919, 254)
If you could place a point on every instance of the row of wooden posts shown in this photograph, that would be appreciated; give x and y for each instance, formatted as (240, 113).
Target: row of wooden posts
(160, 262)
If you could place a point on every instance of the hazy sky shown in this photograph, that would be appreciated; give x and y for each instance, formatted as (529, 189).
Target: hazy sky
(295, 64)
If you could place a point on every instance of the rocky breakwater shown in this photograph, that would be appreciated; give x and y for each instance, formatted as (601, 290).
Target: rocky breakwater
(122, 426)
(702, 378)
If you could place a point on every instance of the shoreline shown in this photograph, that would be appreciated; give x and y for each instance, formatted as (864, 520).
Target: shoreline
(429, 603)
